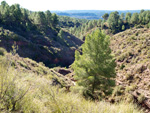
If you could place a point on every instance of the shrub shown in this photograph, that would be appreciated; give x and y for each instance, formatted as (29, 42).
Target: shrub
(2, 51)
(122, 66)
(117, 91)
(130, 88)
(141, 98)
(45, 98)
(12, 89)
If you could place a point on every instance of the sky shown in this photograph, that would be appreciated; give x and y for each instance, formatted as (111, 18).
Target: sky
(43, 5)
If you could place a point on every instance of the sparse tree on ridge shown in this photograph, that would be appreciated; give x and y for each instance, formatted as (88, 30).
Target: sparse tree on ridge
(105, 16)
(122, 16)
(54, 20)
(48, 16)
(113, 21)
(135, 18)
(128, 17)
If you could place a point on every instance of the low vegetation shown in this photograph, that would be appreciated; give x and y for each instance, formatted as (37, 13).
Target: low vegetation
(131, 49)
(27, 92)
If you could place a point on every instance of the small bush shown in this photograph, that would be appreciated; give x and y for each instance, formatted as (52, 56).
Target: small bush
(122, 66)
(117, 91)
(130, 88)
(2, 51)
(136, 34)
(141, 98)
(133, 37)
(129, 98)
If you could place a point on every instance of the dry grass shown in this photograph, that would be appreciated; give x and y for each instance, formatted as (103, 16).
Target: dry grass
(38, 96)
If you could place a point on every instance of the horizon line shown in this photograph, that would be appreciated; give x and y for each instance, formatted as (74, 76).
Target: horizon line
(101, 10)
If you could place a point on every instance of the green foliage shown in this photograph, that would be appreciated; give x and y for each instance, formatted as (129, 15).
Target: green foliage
(105, 16)
(128, 17)
(95, 67)
(123, 28)
(61, 33)
(68, 22)
(114, 21)
(80, 27)
(135, 18)
(122, 16)
(54, 20)
(99, 22)
(118, 90)
(141, 98)
(125, 55)
(12, 90)
(26, 92)
(2, 51)
(122, 66)
(40, 18)
(22, 19)
(90, 25)
(48, 17)
(130, 88)
(36, 95)
(148, 25)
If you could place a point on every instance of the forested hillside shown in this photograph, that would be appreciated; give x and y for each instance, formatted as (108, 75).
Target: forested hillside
(112, 23)
(59, 64)
(37, 36)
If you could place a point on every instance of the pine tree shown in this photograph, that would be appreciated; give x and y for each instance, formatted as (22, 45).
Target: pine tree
(54, 20)
(135, 18)
(122, 16)
(95, 67)
(128, 17)
(4, 10)
(48, 17)
(90, 25)
(105, 16)
(113, 21)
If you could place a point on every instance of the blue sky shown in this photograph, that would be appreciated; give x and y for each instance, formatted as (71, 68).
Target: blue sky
(42, 5)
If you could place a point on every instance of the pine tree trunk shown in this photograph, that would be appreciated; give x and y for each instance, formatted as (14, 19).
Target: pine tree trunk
(93, 88)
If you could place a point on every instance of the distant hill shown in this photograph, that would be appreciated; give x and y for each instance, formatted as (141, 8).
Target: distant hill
(89, 14)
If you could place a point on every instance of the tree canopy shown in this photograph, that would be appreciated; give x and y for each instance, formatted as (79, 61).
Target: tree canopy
(95, 67)
(19, 18)
(105, 16)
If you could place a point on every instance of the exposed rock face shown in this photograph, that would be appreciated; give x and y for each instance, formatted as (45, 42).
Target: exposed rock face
(64, 71)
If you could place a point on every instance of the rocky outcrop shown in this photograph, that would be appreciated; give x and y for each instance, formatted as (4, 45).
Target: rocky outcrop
(64, 71)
